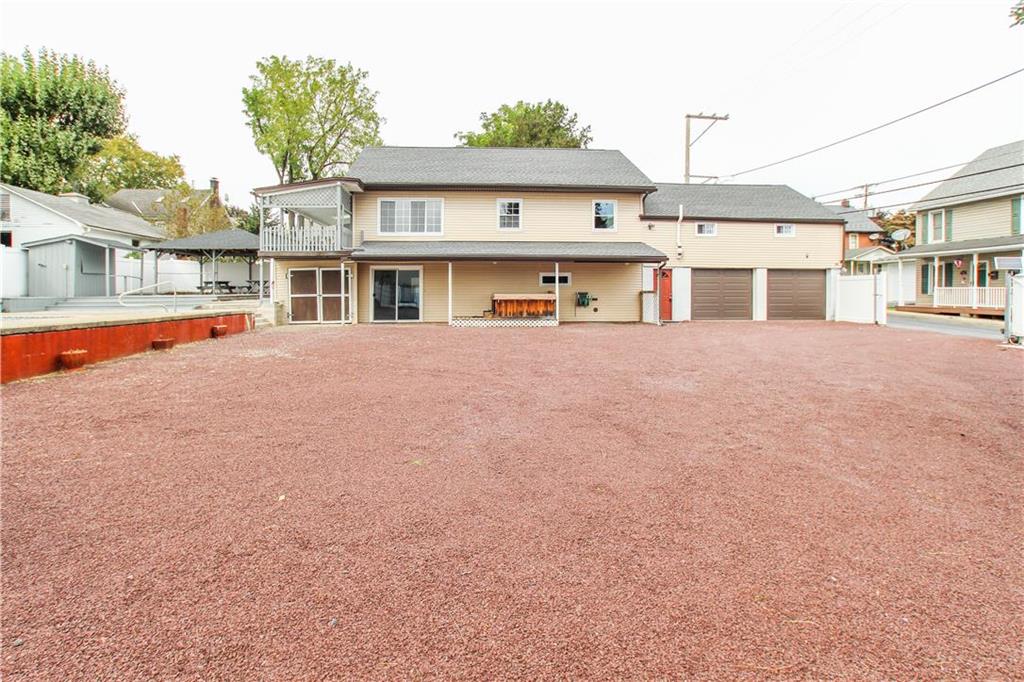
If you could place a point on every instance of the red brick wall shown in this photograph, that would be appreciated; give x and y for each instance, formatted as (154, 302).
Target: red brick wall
(27, 355)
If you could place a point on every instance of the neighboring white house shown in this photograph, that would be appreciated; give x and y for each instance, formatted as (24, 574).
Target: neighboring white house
(28, 216)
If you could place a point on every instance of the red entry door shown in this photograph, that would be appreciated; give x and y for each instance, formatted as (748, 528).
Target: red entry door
(666, 293)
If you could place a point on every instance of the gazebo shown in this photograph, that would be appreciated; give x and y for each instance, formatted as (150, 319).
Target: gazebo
(213, 246)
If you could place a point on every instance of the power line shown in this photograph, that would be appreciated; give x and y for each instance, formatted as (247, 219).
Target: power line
(878, 127)
(925, 184)
(912, 175)
(931, 199)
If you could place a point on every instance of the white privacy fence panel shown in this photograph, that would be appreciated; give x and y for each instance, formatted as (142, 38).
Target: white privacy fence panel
(649, 306)
(861, 299)
(1015, 308)
(14, 266)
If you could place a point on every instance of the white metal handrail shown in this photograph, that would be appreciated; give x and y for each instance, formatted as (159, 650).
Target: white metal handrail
(174, 294)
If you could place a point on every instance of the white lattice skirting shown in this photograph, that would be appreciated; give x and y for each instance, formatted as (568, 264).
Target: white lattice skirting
(504, 322)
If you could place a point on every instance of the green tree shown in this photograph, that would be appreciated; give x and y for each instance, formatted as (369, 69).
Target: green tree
(121, 163)
(249, 218)
(1017, 14)
(55, 111)
(544, 124)
(899, 220)
(311, 118)
(185, 212)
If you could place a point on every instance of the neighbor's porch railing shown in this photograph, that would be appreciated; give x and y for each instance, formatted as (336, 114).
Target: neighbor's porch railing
(971, 297)
(309, 237)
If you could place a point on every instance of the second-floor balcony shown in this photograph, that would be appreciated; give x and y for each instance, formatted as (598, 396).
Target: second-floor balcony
(313, 217)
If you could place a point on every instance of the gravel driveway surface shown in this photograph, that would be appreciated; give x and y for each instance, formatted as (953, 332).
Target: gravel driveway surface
(700, 500)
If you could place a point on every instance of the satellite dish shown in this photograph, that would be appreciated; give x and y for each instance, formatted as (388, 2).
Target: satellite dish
(874, 236)
(900, 234)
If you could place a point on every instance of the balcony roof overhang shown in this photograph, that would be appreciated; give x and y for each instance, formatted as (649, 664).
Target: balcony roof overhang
(537, 251)
(351, 184)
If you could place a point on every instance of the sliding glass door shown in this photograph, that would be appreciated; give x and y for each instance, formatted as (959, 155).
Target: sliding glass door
(396, 294)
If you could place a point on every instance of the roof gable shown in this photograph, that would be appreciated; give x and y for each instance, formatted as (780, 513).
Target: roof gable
(544, 168)
(983, 181)
(92, 215)
(857, 220)
(736, 202)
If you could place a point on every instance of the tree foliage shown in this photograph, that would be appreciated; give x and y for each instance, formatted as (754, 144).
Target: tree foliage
(55, 110)
(121, 163)
(311, 118)
(898, 220)
(1017, 14)
(524, 124)
(185, 212)
(249, 219)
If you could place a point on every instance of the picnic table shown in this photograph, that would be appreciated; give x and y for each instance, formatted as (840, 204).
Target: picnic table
(215, 287)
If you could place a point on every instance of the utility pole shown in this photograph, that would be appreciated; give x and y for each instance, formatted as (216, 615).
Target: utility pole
(866, 187)
(714, 118)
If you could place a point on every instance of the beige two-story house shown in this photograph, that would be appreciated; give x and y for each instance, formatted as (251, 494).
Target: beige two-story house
(963, 224)
(508, 237)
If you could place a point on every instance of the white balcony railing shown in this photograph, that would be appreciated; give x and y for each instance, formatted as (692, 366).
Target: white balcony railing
(970, 297)
(305, 238)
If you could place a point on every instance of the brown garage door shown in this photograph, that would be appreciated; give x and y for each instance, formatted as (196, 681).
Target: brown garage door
(721, 294)
(796, 294)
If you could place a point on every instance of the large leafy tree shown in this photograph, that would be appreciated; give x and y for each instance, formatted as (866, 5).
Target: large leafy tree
(1017, 13)
(55, 111)
(185, 212)
(525, 124)
(310, 117)
(122, 163)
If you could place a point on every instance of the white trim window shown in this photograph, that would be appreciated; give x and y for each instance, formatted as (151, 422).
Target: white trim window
(785, 230)
(547, 279)
(604, 211)
(510, 214)
(851, 241)
(410, 216)
(936, 228)
(705, 229)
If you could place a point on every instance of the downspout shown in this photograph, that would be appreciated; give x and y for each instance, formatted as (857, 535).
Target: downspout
(679, 233)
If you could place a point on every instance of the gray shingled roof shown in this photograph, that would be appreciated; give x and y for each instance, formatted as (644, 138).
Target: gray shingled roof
(146, 203)
(857, 221)
(93, 215)
(1012, 243)
(1009, 181)
(615, 252)
(497, 167)
(736, 202)
(231, 239)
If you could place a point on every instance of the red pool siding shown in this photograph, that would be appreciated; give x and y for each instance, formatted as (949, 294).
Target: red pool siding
(30, 354)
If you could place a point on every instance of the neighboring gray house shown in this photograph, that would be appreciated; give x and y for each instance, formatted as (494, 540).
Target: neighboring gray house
(152, 204)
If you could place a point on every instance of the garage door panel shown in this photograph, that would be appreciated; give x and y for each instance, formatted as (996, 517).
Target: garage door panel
(721, 294)
(796, 294)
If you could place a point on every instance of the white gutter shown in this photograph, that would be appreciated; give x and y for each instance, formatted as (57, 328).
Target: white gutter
(900, 255)
(679, 230)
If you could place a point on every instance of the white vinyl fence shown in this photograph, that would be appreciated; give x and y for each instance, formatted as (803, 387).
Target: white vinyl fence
(14, 275)
(1015, 308)
(861, 298)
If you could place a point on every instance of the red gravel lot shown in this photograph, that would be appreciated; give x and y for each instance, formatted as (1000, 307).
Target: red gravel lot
(707, 499)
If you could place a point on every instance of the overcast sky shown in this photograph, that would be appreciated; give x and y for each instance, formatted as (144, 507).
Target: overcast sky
(792, 76)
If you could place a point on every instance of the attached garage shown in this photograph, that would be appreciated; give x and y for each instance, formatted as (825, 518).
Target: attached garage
(722, 294)
(796, 294)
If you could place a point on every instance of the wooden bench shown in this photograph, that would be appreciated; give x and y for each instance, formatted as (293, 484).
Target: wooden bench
(523, 305)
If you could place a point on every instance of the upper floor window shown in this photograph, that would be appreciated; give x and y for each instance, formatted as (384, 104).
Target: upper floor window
(604, 215)
(937, 223)
(410, 216)
(706, 230)
(786, 230)
(851, 241)
(510, 214)
(5, 207)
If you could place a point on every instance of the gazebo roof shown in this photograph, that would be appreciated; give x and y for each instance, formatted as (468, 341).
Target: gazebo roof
(229, 242)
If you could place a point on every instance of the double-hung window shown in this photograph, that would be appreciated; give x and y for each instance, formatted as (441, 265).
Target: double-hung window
(786, 230)
(410, 216)
(851, 240)
(510, 214)
(937, 224)
(706, 230)
(604, 214)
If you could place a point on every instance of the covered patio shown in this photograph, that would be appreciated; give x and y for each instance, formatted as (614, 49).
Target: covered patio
(213, 248)
(501, 283)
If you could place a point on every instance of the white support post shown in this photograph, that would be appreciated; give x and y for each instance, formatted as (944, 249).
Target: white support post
(558, 297)
(657, 292)
(935, 277)
(338, 232)
(273, 281)
(974, 281)
(899, 282)
(260, 294)
(355, 292)
(449, 293)
(106, 270)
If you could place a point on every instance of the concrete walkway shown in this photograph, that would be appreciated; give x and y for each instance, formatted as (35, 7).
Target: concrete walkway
(944, 324)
